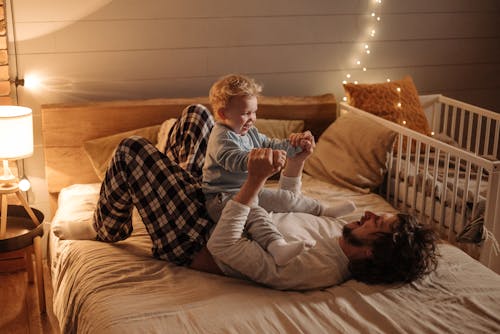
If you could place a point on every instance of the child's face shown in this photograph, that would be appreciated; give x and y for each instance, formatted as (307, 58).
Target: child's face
(240, 114)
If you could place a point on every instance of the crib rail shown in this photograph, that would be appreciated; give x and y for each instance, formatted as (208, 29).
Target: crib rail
(451, 178)
(474, 129)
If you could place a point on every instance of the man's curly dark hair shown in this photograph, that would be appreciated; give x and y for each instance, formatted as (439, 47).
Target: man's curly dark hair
(406, 254)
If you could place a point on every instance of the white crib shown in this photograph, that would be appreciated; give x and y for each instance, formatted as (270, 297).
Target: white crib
(452, 178)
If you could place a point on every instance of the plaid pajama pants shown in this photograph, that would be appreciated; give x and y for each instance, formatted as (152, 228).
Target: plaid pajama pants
(165, 189)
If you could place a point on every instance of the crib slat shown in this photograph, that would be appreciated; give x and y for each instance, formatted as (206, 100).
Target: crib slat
(461, 130)
(453, 121)
(497, 139)
(390, 172)
(486, 147)
(406, 171)
(469, 131)
(479, 178)
(416, 178)
(478, 132)
(424, 182)
(465, 195)
(443, 190)
(434, 181)
(454, 192)
(398, 169)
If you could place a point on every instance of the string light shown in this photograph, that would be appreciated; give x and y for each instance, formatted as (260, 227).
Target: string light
(365, 51)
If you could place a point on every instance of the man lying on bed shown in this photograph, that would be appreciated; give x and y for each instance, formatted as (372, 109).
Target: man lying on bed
(165, 189)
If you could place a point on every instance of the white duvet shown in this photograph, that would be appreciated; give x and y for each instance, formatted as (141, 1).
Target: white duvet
(120, 288)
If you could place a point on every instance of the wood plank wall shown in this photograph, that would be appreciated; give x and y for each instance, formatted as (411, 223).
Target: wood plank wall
(102, 49)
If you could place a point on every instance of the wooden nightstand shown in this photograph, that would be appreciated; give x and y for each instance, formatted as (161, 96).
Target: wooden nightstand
(23, 233)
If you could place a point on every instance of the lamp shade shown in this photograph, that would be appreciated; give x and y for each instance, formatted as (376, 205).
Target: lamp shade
(16, 132)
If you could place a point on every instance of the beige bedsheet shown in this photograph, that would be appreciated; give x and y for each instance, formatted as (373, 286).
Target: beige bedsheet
(120, 288)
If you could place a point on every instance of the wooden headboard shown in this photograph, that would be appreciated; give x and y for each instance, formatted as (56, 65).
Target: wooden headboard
(65, 127)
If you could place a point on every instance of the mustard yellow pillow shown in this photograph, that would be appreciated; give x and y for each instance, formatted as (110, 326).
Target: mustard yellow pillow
(382, 99)
(352, 152)
(101, 150)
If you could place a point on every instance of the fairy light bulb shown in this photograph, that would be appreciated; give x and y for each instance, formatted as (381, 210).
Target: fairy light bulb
(24, 184)
(364, 48)
(344, 99)
(399, 106)
(398, 89)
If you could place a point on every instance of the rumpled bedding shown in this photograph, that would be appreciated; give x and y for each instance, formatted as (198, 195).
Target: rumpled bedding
(121, 288)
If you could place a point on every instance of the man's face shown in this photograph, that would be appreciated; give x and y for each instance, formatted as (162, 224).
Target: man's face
(368, 228)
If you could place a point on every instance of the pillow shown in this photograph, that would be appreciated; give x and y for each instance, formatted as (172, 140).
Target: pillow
(101, 150)
(163, 133)
(352, 152)
(277, 128)
(382, 99)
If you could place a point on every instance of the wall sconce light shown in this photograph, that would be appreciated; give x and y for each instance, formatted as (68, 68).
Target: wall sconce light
(17, 82)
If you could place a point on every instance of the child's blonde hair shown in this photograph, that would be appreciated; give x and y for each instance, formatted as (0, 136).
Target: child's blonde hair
(229, 86)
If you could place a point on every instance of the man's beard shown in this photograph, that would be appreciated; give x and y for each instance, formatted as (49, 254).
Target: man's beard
(351, 238)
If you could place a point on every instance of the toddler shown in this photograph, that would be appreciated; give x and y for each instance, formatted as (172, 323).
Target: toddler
(234, 105)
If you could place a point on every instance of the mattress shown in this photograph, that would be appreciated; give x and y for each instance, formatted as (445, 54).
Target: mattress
(121, 288)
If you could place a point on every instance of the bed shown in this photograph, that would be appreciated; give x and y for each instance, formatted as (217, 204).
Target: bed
(120, 288)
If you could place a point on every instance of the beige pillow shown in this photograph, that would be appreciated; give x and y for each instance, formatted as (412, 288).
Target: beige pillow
(101, 150)
(277, 128)
(163, 133)
(353, 153)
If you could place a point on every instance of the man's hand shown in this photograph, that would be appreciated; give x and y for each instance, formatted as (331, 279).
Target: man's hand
(260, 166)
(262, 163)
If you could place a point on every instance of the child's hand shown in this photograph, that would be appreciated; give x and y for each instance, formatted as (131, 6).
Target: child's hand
(279, 159)
(304, 140)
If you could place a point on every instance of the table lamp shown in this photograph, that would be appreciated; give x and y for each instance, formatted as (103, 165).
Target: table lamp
(16, 142)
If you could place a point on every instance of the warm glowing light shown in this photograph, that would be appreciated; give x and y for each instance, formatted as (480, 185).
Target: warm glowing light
(398, 89)
(364, 49)
(432, 133)
(32, 82)
(404, 122)
(399, 106)
(24, 184)
(388, 80)
(344, 99)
